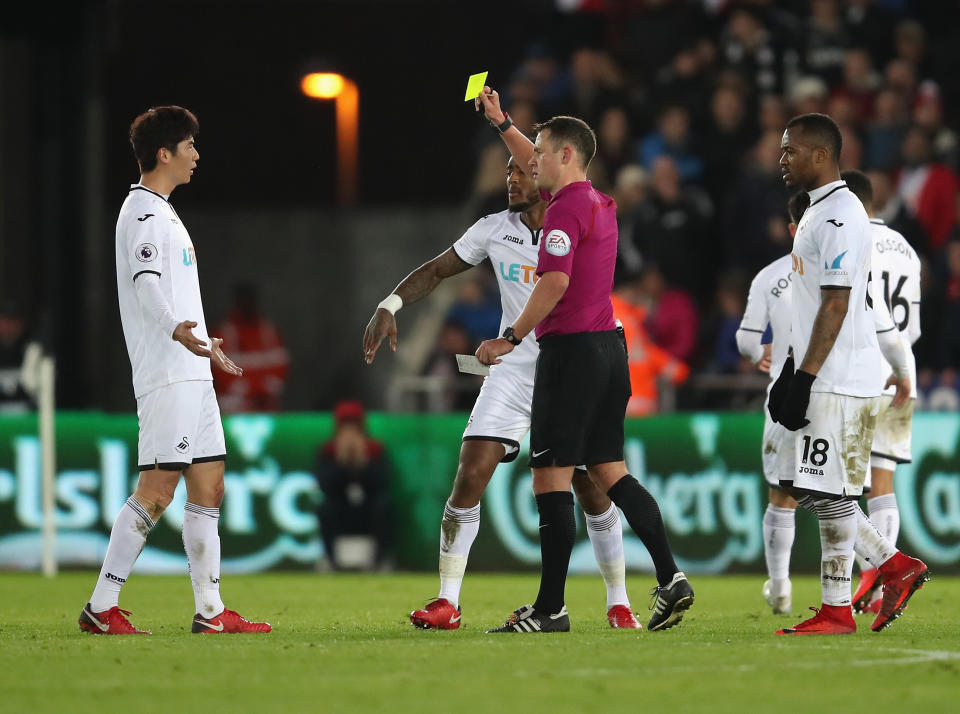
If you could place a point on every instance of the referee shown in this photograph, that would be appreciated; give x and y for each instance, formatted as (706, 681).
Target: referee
(582, 381)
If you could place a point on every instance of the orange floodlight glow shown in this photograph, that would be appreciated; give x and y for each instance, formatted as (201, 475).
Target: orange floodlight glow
(322, 85)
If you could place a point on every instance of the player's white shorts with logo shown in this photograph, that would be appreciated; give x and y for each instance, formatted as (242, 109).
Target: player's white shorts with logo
(179, 425)
(891, 440)
(773, 436)
(830, 456)
(502, 410)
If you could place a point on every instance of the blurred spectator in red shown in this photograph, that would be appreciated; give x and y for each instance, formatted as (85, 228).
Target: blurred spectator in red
(255, 344)
(672, 320)
(648, 363)
(928, 114)
(354, 475)
(672, 138)
(884, 133)
(928, 188)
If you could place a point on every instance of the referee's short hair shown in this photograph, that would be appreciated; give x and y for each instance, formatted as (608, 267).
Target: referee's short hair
(797, 206)
(858, 182)
(160, 128)
(573, 131)
(822, 129)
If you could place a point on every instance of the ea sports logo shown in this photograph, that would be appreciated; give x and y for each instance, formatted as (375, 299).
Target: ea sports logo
(557, 243)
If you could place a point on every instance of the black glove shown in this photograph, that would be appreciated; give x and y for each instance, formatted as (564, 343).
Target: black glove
(779, 390)
(793, 410)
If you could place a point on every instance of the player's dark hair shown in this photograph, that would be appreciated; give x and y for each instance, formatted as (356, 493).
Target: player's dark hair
(858, 182)
(797, 206)
(822, 129)
(570, 130)
(160, 128)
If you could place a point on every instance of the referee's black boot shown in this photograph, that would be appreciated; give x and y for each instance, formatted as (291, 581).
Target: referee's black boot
(526, 619)
(670, 602)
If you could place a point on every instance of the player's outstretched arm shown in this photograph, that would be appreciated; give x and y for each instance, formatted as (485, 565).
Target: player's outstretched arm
(520, 146)
(416, 286)
(221, 360)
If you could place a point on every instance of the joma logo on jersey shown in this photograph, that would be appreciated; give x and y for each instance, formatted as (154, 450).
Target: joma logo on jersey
(513, 239)
(189, 257)
(513, 272)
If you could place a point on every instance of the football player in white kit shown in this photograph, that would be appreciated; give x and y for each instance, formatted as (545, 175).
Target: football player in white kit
(896, 289)
(831, 401)
(501, 414)
(180, 430)
(768, 303)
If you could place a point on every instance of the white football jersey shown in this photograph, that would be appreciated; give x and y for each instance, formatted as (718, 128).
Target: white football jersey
(832, 248)
(152, 239)
(513, 249)
(768, 303)
(895, 275)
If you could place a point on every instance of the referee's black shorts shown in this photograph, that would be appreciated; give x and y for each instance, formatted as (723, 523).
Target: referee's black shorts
(580, 395)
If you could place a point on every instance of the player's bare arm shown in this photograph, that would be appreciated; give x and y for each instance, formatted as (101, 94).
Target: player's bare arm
(826, 327)
(184, 335)
(416, 286)
(545, 296)
(520, 146)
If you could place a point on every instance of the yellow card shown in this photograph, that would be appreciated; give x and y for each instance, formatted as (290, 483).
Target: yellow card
(474, 86)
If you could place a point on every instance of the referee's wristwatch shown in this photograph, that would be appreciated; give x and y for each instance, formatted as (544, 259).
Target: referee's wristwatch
(510, 337)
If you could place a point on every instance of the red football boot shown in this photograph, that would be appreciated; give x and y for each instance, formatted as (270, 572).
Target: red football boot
(902, 577)
(108, 622)
(829, 620)
(226, 622)
(621, 617)
(439, 614)
(870, 580)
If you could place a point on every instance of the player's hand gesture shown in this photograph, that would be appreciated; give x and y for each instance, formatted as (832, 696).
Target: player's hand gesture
(903, 390)
(182, 334)
(490, 350)
(221, 360)
(489, 101)
(381, 325)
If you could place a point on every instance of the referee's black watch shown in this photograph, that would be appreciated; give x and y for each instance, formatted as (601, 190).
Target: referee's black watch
(510, 337)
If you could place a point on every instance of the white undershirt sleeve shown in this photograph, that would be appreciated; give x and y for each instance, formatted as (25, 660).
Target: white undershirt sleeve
(150, 297)
(893, 351)
(755, 318)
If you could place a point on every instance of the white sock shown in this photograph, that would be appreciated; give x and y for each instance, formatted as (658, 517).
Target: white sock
(885, 515)
(779, 528)
(871, 544)
(202, 543)
(838, 532)
(458, 530)
(606, 536)
(127, 538)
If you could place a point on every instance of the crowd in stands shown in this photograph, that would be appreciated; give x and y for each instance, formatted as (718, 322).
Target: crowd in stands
(689, 100)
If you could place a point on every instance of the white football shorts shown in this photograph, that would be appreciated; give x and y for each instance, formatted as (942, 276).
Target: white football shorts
(891, 440)
(830, 456)
(773, 436)
(502, 410)
(179, 425)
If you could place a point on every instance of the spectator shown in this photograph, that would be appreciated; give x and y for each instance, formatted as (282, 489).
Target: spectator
(672, 138)
(927, 187)
(726, 139)
(928, 114)
(884, 133)
(888, 207)
(671, 226)
(255, 344)
(648, 363)
(672, 318)
(825, 41)
(869, 24)
(724, 323)
(773, 114)
(948, 344)
(354, 475)
(16, 350)
(684, 81)
(477, 308)
(747, 46)
(808, 95)
(455, 396)
(614, 148)
(860, 84)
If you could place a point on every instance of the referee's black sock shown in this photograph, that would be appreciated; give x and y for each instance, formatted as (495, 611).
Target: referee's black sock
(643, 515)
(558, 529)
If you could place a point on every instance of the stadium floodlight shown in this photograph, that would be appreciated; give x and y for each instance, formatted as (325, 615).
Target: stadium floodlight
(346, 95)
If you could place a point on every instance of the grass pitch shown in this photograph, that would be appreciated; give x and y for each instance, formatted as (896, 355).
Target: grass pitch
(342, 643)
